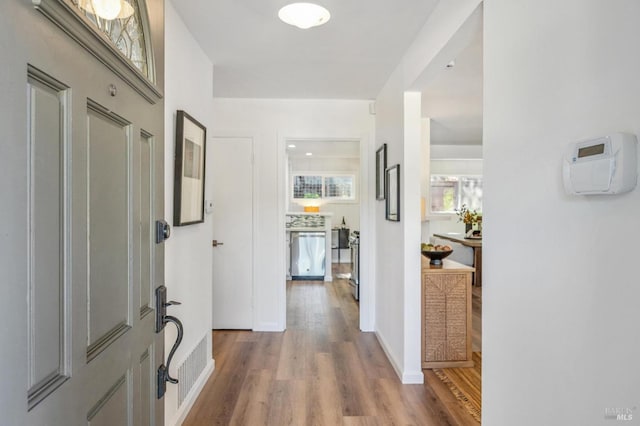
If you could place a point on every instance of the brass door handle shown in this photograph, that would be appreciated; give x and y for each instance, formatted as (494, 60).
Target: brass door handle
(216, 243)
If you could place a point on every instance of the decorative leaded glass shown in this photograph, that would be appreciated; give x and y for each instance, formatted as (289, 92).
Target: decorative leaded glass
(126, 30)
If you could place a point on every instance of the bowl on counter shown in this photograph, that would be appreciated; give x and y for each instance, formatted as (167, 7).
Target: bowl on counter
(436, 256)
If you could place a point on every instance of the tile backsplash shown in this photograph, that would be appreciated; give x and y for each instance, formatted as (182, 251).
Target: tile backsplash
(304, 221)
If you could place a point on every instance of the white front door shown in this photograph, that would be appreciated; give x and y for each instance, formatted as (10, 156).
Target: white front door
(83, 153)
(233, 232)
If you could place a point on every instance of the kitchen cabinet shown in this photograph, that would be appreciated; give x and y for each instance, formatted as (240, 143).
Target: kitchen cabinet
(446, 315)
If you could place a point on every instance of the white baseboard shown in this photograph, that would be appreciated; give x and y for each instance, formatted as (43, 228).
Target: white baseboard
(412, 378)
(269, 326)
(406, 377)
(388, 354)
(184, 409)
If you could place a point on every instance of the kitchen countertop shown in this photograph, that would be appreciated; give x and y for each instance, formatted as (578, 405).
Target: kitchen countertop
(306, 229)
(459, 238)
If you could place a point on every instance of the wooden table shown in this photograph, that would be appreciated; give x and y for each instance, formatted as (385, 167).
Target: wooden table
(476, 245)
(446, 315)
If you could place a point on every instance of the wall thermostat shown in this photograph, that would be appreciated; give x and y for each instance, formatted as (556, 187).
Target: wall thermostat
(606, 165)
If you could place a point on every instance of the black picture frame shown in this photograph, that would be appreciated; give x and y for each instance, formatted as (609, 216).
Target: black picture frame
(189, 171)
(381, 167)
(392, 193)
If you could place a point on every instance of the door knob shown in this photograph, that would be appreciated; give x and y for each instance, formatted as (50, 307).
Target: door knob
(216, 243)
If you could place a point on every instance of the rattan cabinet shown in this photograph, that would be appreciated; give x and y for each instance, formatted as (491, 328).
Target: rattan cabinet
(446, 315)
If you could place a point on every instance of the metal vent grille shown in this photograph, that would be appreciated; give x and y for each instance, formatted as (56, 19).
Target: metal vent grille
(191, 369)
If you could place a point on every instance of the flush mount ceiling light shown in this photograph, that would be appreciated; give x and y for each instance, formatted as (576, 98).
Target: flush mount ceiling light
(108, 9)
(292, 146)
(304, 15)
(309, 154)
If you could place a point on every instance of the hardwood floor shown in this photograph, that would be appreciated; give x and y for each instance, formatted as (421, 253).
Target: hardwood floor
(321, 371)
(476, 321)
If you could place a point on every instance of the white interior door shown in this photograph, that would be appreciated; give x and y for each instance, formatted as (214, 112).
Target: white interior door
(232, 168)
(89, 150)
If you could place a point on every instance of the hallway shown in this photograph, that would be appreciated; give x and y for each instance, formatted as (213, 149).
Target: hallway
(321, 371)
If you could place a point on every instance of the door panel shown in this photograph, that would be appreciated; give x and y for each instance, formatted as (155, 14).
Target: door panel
(232, 225)
(47, 349)
(112, 408)
(144, 377)
(109, 206)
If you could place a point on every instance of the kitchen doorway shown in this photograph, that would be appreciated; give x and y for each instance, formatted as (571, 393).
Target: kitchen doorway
(328, 175)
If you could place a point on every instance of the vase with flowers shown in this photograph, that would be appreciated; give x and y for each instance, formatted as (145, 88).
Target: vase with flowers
(472, 220)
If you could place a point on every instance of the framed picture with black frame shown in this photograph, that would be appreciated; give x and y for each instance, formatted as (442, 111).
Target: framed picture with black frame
(381, 166)
(392, 193)
(188, 191)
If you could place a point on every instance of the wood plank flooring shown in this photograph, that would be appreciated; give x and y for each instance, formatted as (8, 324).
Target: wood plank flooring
(476, 321)
(321, 371)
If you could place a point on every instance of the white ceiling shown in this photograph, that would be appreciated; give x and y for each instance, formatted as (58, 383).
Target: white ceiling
(453, 100)
(255, 55)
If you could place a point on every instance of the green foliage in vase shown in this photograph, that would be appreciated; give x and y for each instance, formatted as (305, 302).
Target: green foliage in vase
(467, 216)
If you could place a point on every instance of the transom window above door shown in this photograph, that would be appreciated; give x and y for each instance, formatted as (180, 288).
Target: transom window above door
(123, 22)
(118, 34)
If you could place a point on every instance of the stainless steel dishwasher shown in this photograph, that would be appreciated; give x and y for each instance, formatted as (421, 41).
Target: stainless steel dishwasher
(307, 255)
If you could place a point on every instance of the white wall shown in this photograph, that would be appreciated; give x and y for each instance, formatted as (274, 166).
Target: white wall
(389, 260)
(455, 167)
(561, 305)
(188, 262)
(456, 151)
(270, 122)
(399, 124)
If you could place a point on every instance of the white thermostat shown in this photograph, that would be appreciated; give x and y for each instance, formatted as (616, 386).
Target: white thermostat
(606, 165)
